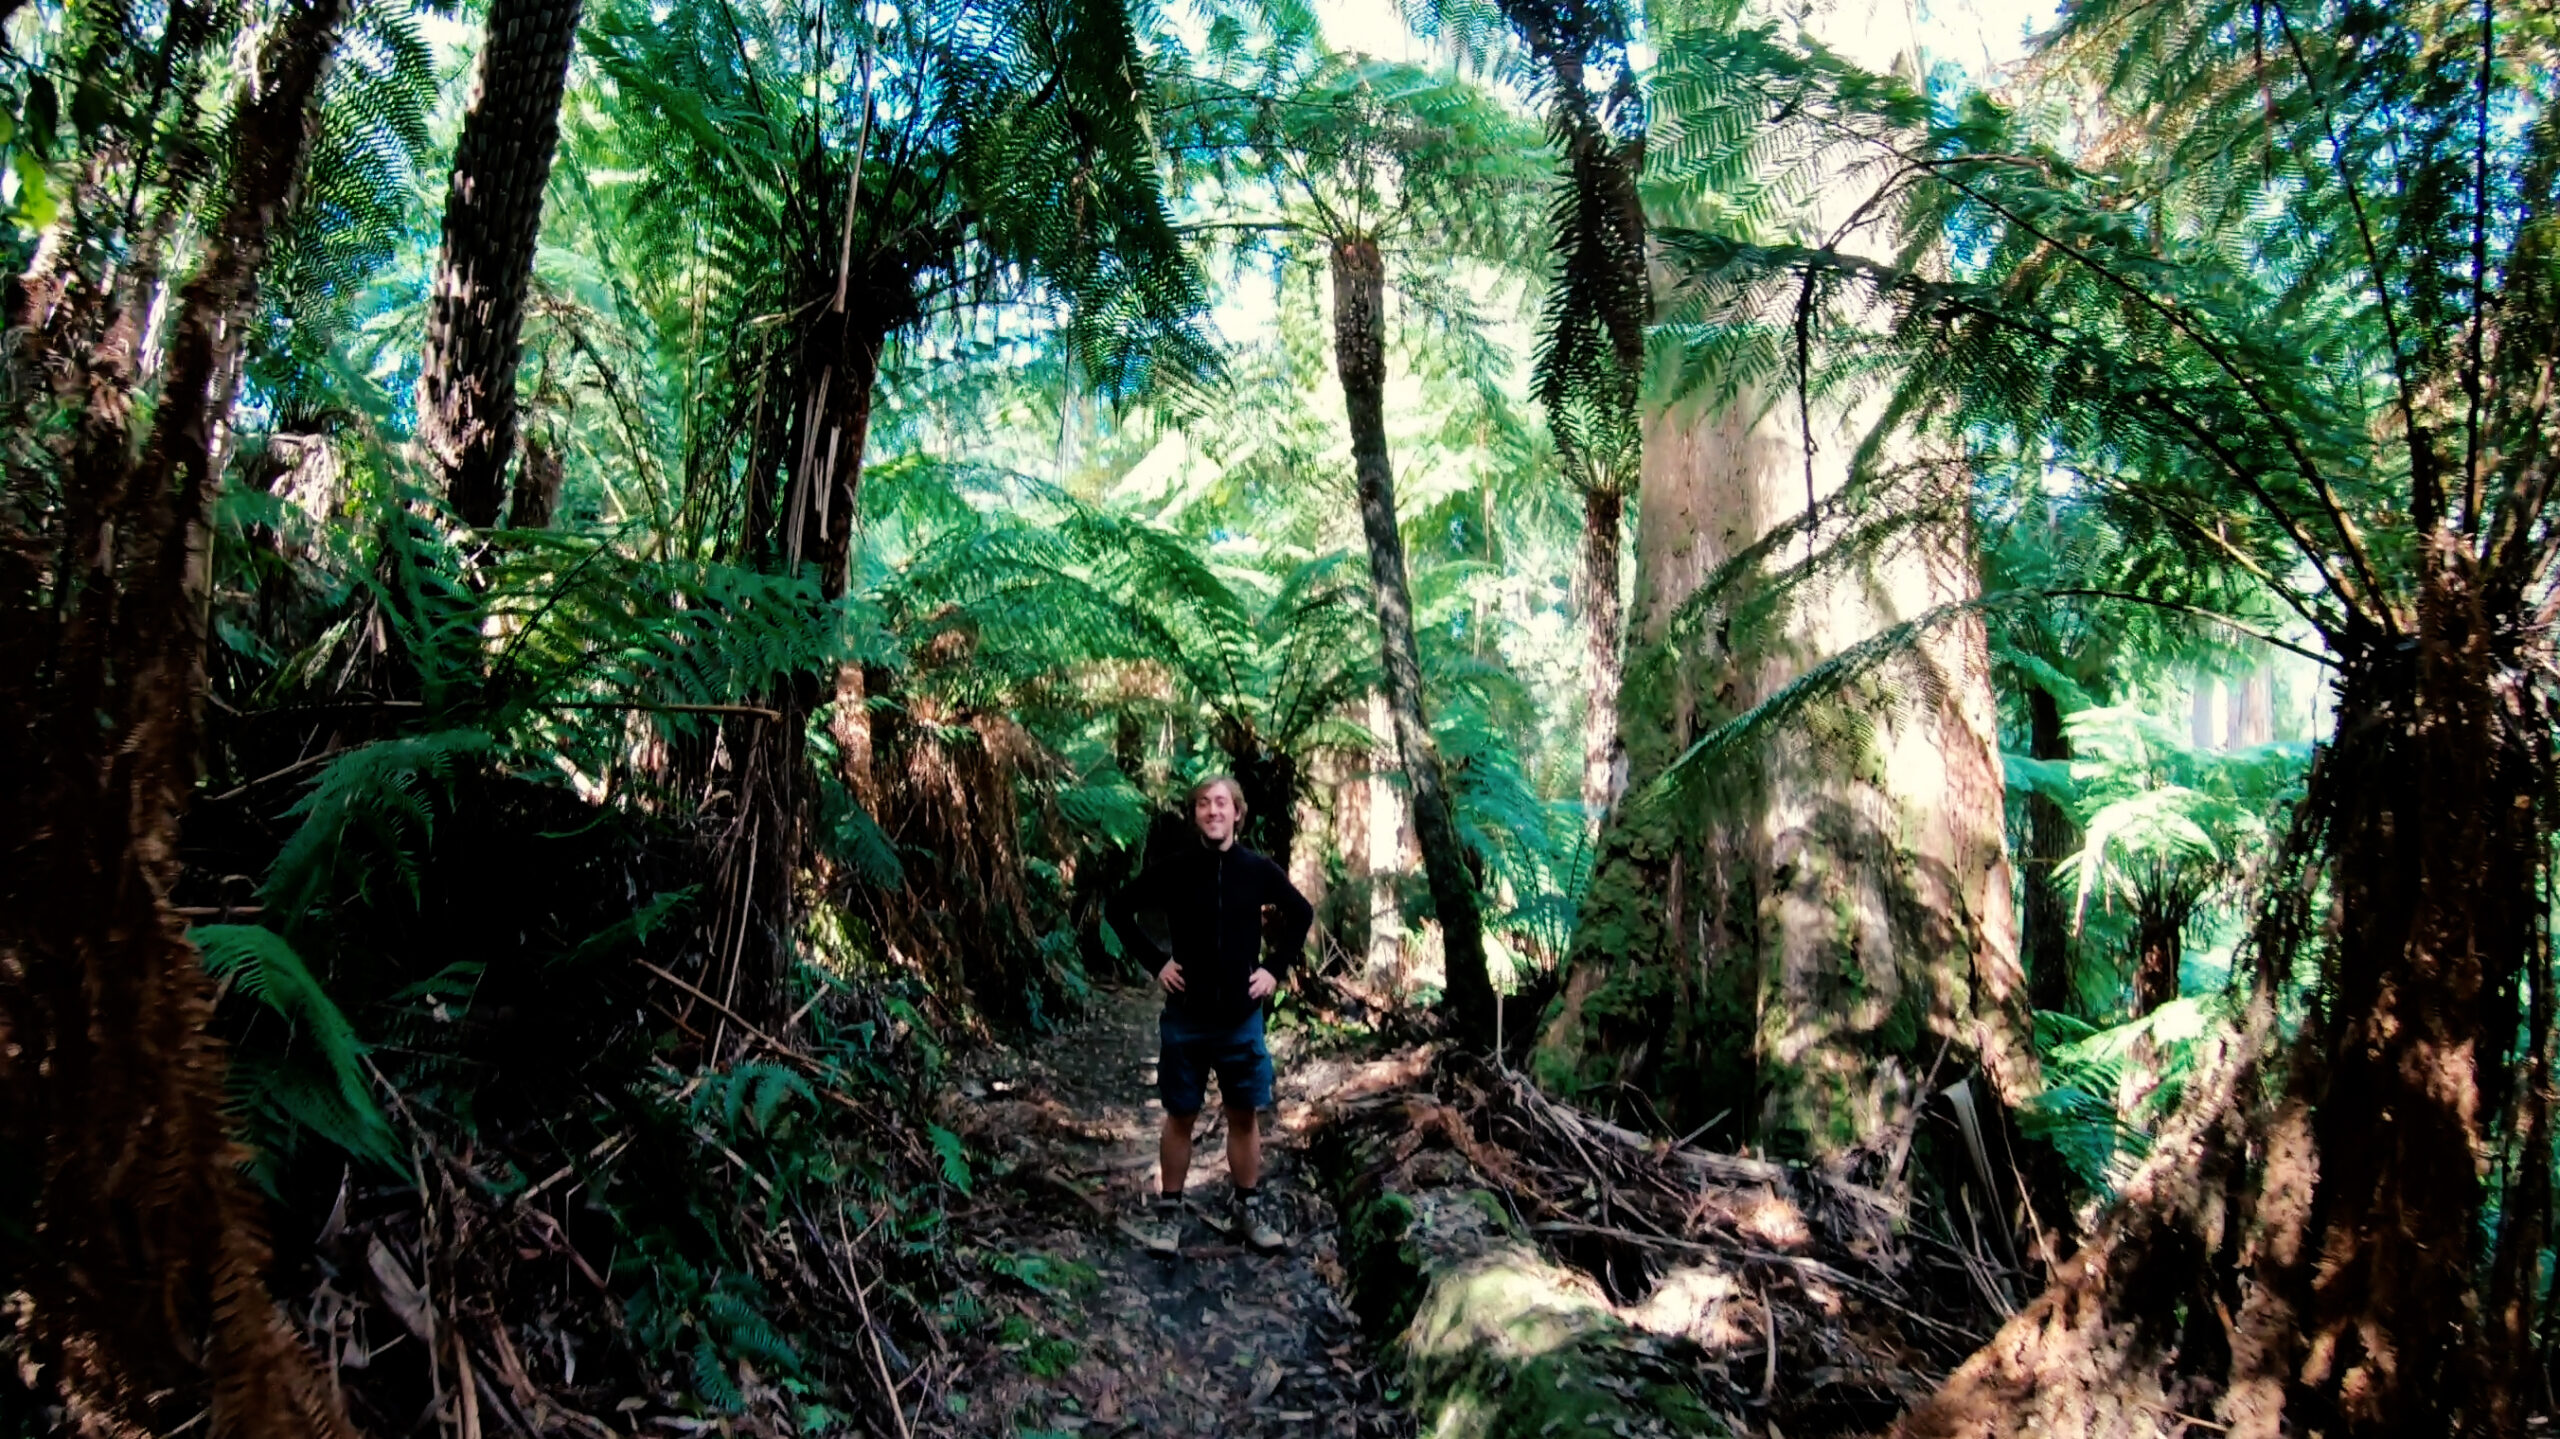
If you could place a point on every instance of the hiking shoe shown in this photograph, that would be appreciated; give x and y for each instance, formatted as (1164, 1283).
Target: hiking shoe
(1161, 1234)
(1250, 1220)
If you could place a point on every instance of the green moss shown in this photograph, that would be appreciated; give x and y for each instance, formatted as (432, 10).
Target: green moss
(1497, 1211)
(1384, 1267)
(1505, 1347)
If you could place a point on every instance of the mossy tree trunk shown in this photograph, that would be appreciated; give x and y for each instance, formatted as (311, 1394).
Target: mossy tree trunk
(1782, 950)
(1791, 941)
(1360, 357)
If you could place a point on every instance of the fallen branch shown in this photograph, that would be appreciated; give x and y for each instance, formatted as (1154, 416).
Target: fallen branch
(1814, 1267)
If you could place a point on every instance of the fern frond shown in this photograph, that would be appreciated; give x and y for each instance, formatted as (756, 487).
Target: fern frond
(261, 965)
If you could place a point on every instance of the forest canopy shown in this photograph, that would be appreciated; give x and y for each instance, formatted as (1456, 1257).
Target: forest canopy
(1907, 657)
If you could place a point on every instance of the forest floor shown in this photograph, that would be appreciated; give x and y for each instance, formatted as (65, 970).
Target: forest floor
(1092, 1335)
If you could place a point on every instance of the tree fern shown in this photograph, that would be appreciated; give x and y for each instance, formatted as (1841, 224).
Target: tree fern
(260, 965)
(370, 810)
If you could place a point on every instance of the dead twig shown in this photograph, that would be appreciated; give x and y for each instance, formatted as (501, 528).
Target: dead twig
(888, 1383)
(297, 767)
(1769, 1370)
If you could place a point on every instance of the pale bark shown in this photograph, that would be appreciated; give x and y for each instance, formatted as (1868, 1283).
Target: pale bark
(1823, 913)
(1382, 861)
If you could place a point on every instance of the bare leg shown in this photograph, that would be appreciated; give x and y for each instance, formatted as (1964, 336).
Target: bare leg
(1173, 1152)
(1244, 1147)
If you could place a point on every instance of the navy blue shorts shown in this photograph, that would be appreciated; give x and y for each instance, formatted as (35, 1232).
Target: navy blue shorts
(1238, 1055)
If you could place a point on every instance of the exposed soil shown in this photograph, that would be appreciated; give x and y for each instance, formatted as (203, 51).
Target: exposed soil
(1093, 1335)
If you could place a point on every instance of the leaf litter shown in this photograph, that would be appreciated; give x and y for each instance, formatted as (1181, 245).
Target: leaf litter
(1085, 1333)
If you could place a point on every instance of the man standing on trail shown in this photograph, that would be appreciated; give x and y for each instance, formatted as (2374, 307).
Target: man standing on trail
(1211, 893)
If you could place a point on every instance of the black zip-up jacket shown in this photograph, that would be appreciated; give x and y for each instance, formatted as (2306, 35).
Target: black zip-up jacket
(1211, 901)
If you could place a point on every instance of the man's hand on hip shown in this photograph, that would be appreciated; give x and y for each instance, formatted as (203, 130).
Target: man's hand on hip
(1260, 985)
(1170, 977)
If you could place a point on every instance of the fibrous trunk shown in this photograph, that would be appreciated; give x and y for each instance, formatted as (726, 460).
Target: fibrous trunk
(2331, 1224)
(800, 517)
(2159, 944)
(2051, 836)
(1593, 339)
(834, 426)
(145, 1299)
(1359, 326)
(492, 216)
(1602, 669)
(1270, 781)
(537, 488)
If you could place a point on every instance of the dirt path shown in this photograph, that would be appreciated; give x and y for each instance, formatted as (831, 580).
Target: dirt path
(1094, 1335)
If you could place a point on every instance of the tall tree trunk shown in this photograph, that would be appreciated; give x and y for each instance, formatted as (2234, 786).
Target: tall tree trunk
(146, 1297)
(1669, 896)
(1382, 840)
(1360, 355)
(1602, 668)
(2051, 836)
(492, 216)
(1789, 943)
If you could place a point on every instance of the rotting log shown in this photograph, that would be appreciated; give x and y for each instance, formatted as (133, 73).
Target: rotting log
(1533, 1269)
(1499, 1342)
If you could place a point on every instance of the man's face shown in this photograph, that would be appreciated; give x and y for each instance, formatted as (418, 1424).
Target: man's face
(1214, 812)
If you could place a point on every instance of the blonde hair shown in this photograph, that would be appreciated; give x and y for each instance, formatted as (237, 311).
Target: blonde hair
(1234, 790)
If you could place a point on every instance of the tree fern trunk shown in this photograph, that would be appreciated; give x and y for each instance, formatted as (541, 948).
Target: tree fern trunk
(826, 486)
(147, 1299)
(1360, 355)
(1602, 668)
(537, 488)
(2050, 838)
(2159, 945)
(1589, 373)
(2334, 1198)
(492, 216)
